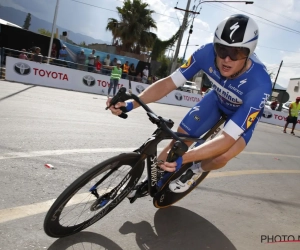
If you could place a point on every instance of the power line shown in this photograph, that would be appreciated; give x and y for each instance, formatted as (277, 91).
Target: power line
(260, 7)
(115, 10)
(278, 49)
(288, 29)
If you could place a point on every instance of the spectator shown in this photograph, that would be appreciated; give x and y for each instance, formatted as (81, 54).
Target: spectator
(138, 78)
(91, 63)
(98, 65)
(145, 74)
(63, 55)
(114, 62)
(106, 62)
(37, 56)
(23, 55)
(293, 115)
(131, 72)
(115, 76)
(273, 105)
(54, 51)
(125, 70)
(81, 60)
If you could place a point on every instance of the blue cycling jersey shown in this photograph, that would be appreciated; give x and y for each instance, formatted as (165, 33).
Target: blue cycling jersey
(242, 98)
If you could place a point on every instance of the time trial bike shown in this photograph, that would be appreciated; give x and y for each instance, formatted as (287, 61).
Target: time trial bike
(102, 188)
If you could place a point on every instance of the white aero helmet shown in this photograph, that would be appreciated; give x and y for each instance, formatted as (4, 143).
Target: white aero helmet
(119, 62)
(237, 31)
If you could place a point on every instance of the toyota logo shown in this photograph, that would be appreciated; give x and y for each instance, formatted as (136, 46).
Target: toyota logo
(139, 88)
(89, 81)
(267, 114)
(22, 68)
(178, 96)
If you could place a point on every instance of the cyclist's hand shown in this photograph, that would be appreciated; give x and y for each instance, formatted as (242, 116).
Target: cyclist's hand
(171, 166)
(115, 109)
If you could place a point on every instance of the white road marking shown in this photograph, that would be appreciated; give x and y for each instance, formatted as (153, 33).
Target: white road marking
(16, 155)
(42, 207)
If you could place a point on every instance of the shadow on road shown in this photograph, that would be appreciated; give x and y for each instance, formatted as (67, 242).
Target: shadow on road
(11, 95)
(270, 201)
(84, 240)
(177, 228)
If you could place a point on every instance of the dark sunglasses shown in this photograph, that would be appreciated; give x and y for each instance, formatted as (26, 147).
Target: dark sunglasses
(235, 53)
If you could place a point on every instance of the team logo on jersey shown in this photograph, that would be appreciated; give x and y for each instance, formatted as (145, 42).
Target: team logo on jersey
(242, 82)
(187, 64)
(252, 114)
(210, 70)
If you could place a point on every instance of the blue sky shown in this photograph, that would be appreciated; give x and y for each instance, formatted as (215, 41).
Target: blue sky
(273, 18)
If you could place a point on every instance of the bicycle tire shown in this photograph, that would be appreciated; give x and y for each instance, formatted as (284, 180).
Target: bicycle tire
(53, 223)
(165, 197)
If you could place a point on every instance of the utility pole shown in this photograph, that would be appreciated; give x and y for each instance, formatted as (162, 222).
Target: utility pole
(277, 76)
(182, 29)
(53, 31)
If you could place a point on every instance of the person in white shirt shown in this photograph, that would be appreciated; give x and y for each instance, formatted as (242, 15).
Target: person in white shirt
(145, 74)
(91, 64)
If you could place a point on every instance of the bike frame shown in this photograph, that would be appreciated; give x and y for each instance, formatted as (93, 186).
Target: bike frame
(148, 150)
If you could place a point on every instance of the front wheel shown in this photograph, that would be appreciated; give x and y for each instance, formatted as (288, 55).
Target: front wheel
(93, 195)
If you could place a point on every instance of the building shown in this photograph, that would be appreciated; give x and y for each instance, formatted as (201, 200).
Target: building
(294, 88)
(9, 23)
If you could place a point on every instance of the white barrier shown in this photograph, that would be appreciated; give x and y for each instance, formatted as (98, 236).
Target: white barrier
(276, 117)
(64, 78)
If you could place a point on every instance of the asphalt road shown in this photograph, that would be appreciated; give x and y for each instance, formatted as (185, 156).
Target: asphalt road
(255, 196)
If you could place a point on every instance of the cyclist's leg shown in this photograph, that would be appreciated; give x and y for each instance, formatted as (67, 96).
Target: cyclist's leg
(186, 180)
(221, 160)
(202, 117)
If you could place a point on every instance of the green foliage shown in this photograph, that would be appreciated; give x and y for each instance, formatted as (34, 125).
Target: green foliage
(83, 44)
(44, 32)
(27, 23)
(163, 71)
(160, 46)
(132, 30)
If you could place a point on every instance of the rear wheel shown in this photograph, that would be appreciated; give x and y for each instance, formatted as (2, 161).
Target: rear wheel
(166, 197)
(93, 195)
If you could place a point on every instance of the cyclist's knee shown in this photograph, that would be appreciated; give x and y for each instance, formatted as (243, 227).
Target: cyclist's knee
(221, 160)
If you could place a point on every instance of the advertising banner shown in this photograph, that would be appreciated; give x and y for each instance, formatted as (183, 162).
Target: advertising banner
(19, 70)
(276, 117)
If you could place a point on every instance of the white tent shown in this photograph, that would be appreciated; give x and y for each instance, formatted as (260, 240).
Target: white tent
(9, 23)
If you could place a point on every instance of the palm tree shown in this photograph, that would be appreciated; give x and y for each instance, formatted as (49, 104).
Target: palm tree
(133, 29)
(160, 46)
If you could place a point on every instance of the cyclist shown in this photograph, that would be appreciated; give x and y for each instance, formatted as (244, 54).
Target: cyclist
(241, 86)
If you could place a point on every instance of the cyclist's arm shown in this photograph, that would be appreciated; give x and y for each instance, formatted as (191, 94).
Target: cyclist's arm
(240, 121)
(156, 91)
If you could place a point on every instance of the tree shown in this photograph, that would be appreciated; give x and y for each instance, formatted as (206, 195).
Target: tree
(164, 70)
(44, 32)
(132, 31)
(160, 46)
(27, 23)
(83, 44)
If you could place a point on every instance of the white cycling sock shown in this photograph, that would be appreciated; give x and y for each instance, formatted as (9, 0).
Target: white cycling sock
(196, 168)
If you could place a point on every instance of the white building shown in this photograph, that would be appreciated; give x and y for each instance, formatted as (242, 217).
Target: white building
(294, 88)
